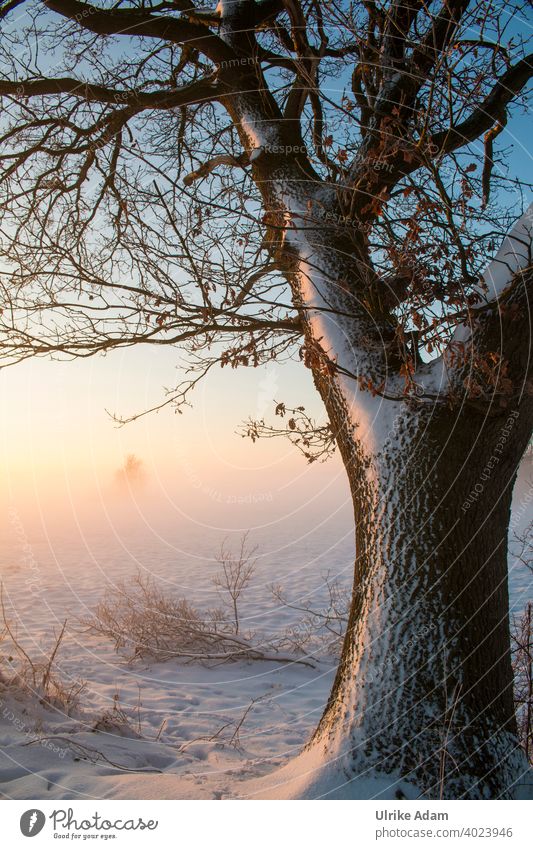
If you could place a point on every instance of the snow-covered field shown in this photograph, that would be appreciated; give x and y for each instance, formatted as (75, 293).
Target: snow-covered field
(184, 737)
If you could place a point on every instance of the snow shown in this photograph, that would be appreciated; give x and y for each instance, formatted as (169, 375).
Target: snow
(305, 777)
(194, 701)
(257, 130)
(261, 134)
(513, 255)
(372, 416)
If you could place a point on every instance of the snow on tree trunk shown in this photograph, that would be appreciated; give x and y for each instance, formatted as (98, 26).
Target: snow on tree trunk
(422, 702)
(424, 688)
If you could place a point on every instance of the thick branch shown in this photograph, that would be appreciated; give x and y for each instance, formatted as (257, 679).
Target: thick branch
(205, 89)
(491, 110)
(212, 164)
(7, 7)
(138, 22)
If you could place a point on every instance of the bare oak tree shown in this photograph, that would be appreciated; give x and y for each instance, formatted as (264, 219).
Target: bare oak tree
(325, 179)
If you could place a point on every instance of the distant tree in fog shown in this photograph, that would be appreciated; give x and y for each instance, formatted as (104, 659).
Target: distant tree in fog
(132, 473)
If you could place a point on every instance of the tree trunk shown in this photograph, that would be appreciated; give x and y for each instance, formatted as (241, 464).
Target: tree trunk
(422, 704)
(423, 697)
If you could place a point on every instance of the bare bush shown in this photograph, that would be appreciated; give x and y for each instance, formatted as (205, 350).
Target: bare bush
(120, 720)
(228, 734)
(236, 572)
(146, 623)
(321, 629)
(40, 677)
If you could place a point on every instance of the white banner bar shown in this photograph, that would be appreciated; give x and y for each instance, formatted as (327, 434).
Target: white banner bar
(266, 825)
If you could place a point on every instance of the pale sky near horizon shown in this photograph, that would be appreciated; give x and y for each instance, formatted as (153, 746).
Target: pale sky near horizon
(60, 450)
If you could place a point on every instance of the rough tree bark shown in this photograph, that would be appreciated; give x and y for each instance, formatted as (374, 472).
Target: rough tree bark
(422, 703)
